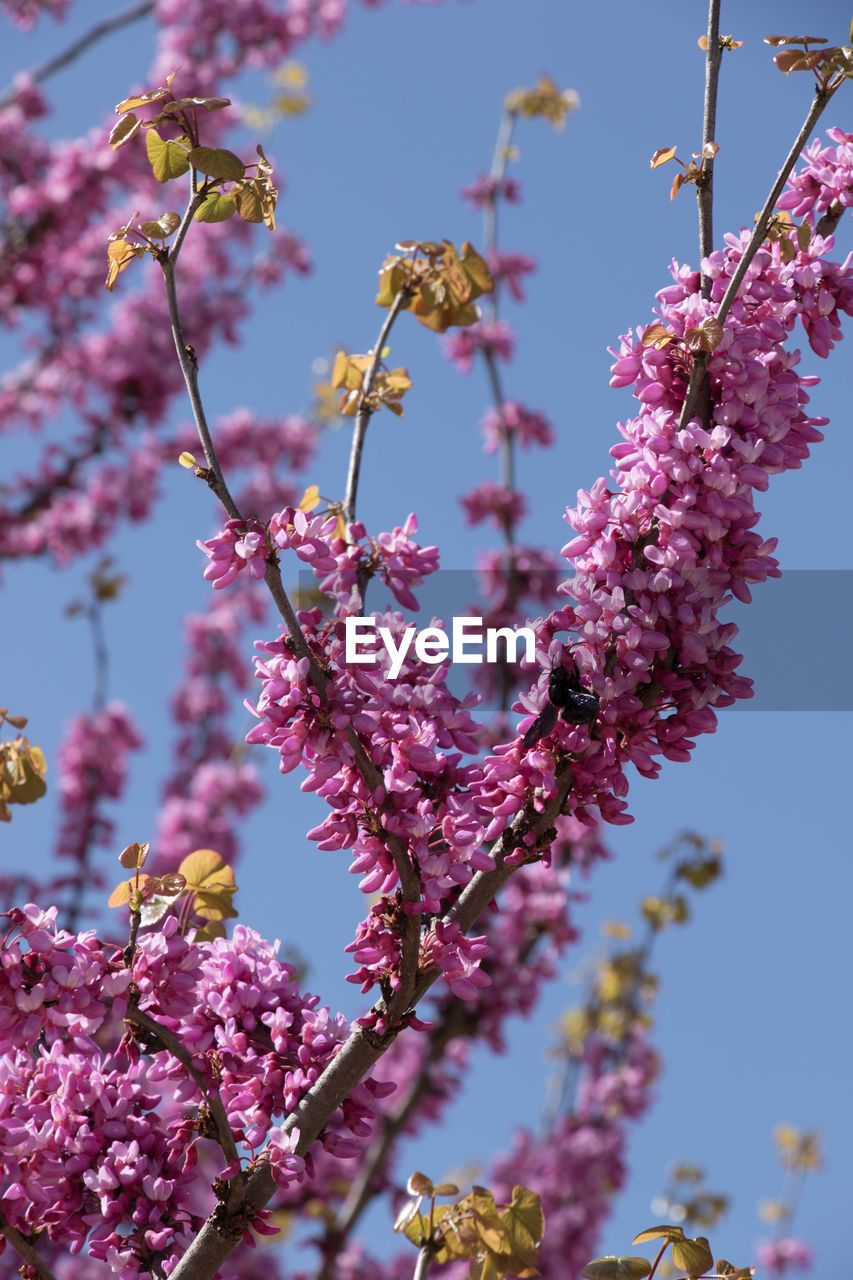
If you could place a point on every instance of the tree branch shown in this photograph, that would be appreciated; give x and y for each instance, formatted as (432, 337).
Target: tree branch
(168, 1040)
(96, 33)
(700, 360)
(365, 412)
(23, 1246)
(705, 188)
(363, 1049)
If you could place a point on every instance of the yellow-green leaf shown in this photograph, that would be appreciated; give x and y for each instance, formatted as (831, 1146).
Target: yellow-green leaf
(205, 867)
(693, 1257)
(217, 207)
(141, 100)
(217, 163)
(121, 894)
(658, 1233)
(120, 254)
(612, 1268)
(168, 159)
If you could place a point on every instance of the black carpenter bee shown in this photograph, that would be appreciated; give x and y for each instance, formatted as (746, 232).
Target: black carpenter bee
(567, 695)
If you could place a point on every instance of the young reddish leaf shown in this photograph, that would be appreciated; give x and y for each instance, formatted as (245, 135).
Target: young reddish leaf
(162, 227)
(656, 335)
(134, 855)
(123, 130)
(217, 163)
(419, 1184)
(168, 159)
(217, 207)
(677, 183)
(703, 42)
(661, 156)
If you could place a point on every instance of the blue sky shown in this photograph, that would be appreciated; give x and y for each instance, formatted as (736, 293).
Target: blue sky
(406, 107)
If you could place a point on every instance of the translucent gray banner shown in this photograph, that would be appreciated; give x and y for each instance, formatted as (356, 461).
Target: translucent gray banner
(794, 635)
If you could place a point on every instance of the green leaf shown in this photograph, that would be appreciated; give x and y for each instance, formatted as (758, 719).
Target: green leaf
(182, 104)
(168, 159)
(612, 1268)
(693, 1257)
(217, 163)
(525, 1222)
(216, 208)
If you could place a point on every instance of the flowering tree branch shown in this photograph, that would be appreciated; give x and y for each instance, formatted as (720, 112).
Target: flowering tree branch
(822, 96)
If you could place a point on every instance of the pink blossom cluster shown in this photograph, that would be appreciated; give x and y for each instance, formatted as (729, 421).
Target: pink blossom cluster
(25, 13)
(510, 269)
(485, 189)
(92, 768)
(657, 555)
(93, 1149)
(522, 425)
(416, 733)
(398, 561)
(242, 544)
(343, 565)
(495, 338)
(490, 501)
(824, 179)
(62, 199)
(781, 1256)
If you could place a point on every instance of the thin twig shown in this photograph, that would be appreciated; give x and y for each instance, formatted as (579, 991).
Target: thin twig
(24, 1247)
(210, 1248)
(500, 159)
(362, 418)
(700, 360)
(168, 1040)
(85, 42)
(705, 188)
(408, 876)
